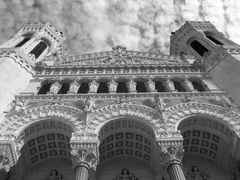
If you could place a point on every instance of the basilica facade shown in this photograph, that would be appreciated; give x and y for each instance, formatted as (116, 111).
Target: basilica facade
(120, 114)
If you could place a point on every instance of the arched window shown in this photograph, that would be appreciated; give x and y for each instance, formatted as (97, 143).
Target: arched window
(37, 51)
(84, 88)
(44, 88)
(198, 85)
(178, 86)
(212, 38)
(140, 87)
(23, 41)
(64, 89)
(198, 47)
(122, 87)
(103, 88)
(160, 87)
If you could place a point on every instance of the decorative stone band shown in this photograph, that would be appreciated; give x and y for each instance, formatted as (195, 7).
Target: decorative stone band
(4, 160)
(7, 155)
(84, 157)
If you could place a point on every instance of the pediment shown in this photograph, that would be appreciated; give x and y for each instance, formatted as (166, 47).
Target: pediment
(119, 56)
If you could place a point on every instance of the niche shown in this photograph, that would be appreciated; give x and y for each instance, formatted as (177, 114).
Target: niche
(122, 87)
(84, 88)
(140, 87)
(102, 88)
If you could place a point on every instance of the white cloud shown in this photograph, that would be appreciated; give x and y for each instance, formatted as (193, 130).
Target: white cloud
(96, 25)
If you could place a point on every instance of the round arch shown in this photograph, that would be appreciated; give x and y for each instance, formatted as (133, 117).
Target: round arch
(177, 113)
(101, 116)
(15, 122)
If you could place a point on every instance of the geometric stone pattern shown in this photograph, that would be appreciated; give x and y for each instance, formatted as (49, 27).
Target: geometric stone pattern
(202, 142)
(125, 144)
(48, 146)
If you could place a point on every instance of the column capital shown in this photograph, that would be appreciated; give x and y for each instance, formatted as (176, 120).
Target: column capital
(169, 85)
(172, 154)
(93, 86)
(112, 85)
(188, 85)
(84, 157)
(131, 85)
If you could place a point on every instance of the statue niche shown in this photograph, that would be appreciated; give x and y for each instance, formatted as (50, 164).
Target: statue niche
(197, 174)
(125, 175)
(54, 175)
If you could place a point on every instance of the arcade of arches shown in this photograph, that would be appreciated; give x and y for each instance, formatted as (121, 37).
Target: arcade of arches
(126, 147)
(120, 114)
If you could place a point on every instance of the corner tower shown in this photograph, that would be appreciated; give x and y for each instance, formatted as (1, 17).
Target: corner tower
(19, 56)
(219, 55)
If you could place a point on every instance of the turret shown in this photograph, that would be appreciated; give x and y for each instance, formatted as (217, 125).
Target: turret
(19, 55)
(219, 55)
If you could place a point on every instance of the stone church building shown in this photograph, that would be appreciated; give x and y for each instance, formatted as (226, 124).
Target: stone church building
(120, 114)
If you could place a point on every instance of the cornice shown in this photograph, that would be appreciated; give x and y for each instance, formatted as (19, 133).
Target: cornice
(49, 97)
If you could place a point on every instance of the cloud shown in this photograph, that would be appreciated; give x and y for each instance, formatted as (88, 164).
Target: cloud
(97, 25)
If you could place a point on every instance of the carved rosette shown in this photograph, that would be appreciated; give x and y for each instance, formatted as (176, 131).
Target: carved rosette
(172, 154)
(84, 157)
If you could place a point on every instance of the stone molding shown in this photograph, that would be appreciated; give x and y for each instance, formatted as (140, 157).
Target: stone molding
(7, 155)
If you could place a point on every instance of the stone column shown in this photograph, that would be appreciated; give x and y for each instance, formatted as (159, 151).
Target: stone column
(112, 86)
(83, 159)
(54, 88)
(151, 86)
(169, 85)
(173, 159)
(73, 89)
(131, 86)
(93, 87)
(188, 85)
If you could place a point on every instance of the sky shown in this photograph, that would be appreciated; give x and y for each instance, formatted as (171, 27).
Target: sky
(98, 25)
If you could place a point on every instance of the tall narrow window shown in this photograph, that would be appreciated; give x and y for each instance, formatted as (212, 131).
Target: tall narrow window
(160, 87)
(23, 41)
(178, 86)
(213, 39)
(64, 89)
(84, 88)
(140, 87)
(102, 88)
(198, 85)
(37, 51)
(44, 88)
(198, 47)
(122, 88)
